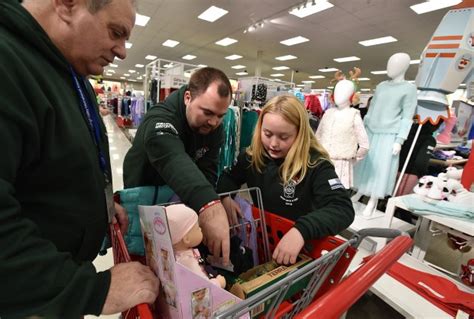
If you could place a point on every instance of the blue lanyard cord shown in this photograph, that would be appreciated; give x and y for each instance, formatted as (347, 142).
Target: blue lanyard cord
(92, 120)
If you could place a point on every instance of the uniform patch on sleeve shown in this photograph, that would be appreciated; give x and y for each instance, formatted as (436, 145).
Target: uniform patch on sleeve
(335, 183)
(166, 127)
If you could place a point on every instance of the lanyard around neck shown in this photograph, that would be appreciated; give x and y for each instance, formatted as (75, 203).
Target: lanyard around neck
(92, 119)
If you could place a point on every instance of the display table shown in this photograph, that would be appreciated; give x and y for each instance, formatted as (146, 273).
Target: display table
(378, 220)
(423, 235)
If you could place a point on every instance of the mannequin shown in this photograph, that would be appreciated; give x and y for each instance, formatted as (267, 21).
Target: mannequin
(388, 123)
(186, 234)
(342, 133)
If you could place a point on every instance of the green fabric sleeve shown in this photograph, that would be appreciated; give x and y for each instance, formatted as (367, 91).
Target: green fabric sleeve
(167, 154)
(333, 212)
(37, 279)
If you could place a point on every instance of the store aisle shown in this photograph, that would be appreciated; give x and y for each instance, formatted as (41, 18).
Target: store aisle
(118, 146)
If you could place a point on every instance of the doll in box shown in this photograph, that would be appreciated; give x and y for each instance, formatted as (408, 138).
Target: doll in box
(186, 234)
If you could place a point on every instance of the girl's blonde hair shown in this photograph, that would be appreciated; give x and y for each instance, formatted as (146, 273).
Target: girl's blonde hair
(298, 159)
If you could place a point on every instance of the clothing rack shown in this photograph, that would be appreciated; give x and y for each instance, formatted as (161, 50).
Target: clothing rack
(169, 75)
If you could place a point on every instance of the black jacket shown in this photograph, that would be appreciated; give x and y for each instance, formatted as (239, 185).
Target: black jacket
(166, 151)
(319, 204)
(52, 206)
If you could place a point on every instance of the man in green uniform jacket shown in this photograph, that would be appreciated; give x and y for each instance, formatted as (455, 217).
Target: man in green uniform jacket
(178, 145)
(55, 163)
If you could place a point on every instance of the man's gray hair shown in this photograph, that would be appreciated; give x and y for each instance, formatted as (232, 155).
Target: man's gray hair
(96, 5)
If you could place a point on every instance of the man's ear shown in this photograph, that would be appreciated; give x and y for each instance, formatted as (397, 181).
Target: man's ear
(65, 9)
(187, 98)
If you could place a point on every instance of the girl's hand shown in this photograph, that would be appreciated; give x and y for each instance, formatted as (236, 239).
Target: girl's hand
(289, 247)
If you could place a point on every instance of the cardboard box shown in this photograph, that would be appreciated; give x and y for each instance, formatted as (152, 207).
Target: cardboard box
(262, 276)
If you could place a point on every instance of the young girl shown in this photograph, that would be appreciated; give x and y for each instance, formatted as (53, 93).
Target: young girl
(295, 176)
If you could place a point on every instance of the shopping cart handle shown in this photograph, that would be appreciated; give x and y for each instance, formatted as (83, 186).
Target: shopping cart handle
(377, 232)
(332, 305)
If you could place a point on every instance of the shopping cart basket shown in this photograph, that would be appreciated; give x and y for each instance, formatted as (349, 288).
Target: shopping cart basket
(332, 257)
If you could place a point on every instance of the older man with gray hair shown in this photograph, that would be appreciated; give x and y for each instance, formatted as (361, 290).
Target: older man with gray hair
(55, 177)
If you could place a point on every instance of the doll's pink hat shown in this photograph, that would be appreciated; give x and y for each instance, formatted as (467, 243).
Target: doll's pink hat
(180, 220)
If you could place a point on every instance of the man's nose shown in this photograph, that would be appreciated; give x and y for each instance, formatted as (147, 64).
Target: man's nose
(120, 51)
(213, 121)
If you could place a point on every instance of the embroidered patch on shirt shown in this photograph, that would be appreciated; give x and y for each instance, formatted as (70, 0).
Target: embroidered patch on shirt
(335, 183)
(161, 125)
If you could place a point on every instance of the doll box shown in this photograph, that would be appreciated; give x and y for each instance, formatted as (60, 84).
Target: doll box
(183, 294)
(264, 275)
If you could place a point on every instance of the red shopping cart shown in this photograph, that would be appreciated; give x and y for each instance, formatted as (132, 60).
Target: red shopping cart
(322, 295)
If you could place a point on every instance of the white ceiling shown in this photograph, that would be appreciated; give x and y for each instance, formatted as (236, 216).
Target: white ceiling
(332, 33)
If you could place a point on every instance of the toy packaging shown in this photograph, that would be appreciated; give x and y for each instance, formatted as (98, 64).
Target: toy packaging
(262, 276)
(184, 294)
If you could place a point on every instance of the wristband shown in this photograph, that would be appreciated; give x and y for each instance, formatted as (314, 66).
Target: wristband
(211, 203)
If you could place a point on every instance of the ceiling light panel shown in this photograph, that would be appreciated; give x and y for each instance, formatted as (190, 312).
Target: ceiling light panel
(128, 45)
(150, 57)
(377, 41)
(233, 57)
(237, 67)
(241, 73)
(316, 76)
(363, 79)
(308, 81)
(379, 72)
(277, 74)
(139, 66)
(226, 41)
(311, 8)
(328, 70)
(281, 68)
(347, 59)
(202, 65)
(188, 57)
(141, 20)
(212, 14)
(415, 62)
(294, 41)
(433, 5)
(113, 65)
(286, 57)
(170, 43)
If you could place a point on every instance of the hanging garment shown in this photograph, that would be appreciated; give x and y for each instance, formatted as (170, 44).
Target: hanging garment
(311, 102)
(249, 121)
(228, 149)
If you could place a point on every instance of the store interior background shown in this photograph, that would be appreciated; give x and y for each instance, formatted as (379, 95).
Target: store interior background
(332, 33)
(259, 27)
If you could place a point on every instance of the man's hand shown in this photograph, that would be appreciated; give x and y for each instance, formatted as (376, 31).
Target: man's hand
(289, 247)
(232, 208)
(215, 228)
(131, 284)
(121, 217)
